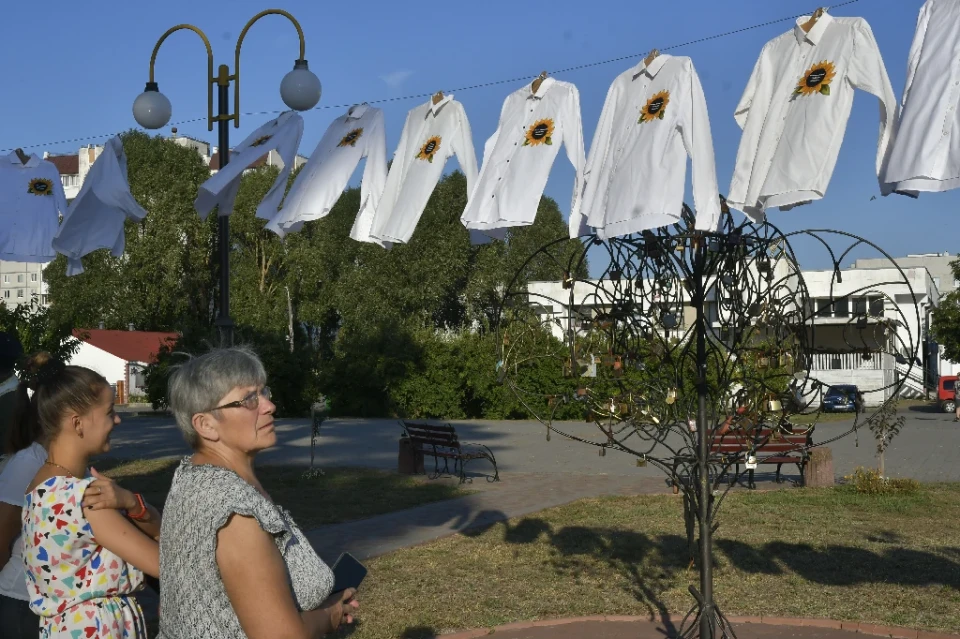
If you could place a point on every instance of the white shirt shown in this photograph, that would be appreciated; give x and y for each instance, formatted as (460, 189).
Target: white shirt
(431, 135)
(31, 203)
(281, 134)
(357, 134)
(96, 216)
(795, 109)
(926, 153)
(18, 472)
(518, 157)
(653, 118)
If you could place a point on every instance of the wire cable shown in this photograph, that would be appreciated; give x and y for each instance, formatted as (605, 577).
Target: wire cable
(471, 87)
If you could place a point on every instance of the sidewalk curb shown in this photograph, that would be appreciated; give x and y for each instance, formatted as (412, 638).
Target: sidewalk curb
(893, 632)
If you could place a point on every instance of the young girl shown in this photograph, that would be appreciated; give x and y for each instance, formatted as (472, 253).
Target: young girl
(83, 557)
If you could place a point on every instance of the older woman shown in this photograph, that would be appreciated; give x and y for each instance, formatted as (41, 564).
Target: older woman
(232, 563)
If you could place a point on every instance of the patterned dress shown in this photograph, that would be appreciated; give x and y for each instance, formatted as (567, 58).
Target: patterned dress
(193, 600)
(79, 589)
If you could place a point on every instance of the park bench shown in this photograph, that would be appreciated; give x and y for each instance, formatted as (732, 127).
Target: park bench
(441, 442)
(769, 447)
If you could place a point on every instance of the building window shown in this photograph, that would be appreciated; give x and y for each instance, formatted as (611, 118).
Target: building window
(45, 298)
(6, 294)
(6, 278)
(823, 307)
(19, 278)
(33, 277)
(841, 307)
(20, 294)
(860, 306)
(876, 306)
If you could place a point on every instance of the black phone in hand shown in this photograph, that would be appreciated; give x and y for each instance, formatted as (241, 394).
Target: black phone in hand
(347, 573)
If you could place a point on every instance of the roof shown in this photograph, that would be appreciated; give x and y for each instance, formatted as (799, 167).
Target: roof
(215, 161)
(66, 164)
(130, 346)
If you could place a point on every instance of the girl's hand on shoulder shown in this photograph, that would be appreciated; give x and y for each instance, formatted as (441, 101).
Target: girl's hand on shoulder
(105, 493)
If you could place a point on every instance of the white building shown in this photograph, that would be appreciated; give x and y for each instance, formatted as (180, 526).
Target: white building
(866, 329)
(19, 281)
(120, 355)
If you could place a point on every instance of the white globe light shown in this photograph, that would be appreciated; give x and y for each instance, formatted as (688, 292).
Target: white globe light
(151, 109)
(300, 89)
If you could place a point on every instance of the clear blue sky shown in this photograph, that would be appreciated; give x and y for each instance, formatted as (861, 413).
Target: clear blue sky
(79, 70)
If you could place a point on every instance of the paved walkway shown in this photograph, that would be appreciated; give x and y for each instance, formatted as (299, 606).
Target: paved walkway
(514, 495)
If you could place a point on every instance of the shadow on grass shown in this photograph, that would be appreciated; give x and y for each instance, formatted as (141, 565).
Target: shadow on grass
(844, 565)
(650, 563)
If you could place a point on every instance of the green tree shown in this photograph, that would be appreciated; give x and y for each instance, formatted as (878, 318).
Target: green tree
(945, 324)
(39, 330)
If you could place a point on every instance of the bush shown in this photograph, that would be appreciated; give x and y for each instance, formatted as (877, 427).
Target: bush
(868, 481)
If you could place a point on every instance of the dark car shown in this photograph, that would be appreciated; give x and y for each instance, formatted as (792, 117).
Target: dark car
(843, 398)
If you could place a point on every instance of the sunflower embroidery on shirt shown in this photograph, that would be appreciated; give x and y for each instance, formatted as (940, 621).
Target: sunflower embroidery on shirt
(350, 139)
(429, 149)
(655, 108)
(816, 79)
(261, 140)
(540, 132)
(41, 186)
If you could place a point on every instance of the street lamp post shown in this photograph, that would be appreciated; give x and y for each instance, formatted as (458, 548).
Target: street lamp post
(299, 89)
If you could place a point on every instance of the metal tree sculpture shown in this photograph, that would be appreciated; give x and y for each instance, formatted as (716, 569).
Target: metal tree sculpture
(689, 340)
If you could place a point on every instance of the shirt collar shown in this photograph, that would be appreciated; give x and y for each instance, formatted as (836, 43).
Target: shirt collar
(32, 162)
(435, 108)
(542, 90)
(357, 110)
(816, 33)
(653, 68)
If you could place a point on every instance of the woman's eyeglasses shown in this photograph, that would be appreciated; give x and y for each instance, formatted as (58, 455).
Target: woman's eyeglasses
(250, 402)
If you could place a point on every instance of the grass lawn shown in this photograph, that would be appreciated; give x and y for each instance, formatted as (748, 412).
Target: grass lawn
(826, 553)
(342, 494)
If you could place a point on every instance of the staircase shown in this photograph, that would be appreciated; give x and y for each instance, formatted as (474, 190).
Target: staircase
(913, 386)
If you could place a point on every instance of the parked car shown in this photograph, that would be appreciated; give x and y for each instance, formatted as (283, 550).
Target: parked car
(945, 393)
(843, 398)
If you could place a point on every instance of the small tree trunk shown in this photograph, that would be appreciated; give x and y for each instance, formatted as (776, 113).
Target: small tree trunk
(881, 465)
(290, 315)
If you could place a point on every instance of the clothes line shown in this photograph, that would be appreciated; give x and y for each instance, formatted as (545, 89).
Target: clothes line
(473, 87)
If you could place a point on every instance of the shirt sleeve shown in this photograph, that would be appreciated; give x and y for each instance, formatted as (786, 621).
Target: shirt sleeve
(392, 184)
(573, 142)
(913, 58)
(694, 123)
(742, 111)
(374, 179)
(868, 74)
(463, 148)
(16, 476)
(599, 149)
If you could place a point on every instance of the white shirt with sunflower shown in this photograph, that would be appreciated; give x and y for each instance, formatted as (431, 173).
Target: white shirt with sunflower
(357, 134)
(795, 109)
(654, 117)
(433, 133)
(31, 203)
(518, 157)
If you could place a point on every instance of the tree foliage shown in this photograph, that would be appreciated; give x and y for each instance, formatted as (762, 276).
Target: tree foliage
(946, 320)
(38, 331)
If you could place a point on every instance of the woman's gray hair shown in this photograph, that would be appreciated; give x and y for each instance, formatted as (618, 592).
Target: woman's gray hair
(198, 385)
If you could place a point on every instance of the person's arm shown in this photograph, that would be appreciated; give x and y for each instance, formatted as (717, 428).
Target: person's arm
(117, 534)
(106, 493)
(256, 581)
(10, 522)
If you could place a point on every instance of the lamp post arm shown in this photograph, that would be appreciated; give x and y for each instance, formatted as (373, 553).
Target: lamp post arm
(210, 78)
(236, 63)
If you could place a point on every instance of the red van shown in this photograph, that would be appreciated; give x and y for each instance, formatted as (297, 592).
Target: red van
(945, 393)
